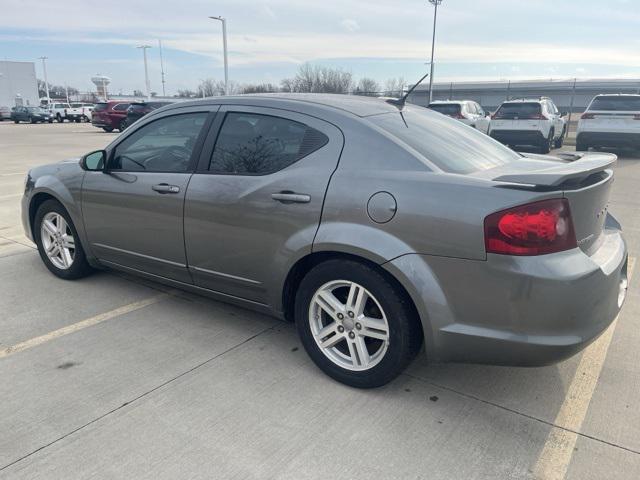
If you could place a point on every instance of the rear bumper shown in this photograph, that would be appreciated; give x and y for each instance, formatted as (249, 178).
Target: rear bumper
(609, 139)
(518, 137)
(515, 310)
(101, 123)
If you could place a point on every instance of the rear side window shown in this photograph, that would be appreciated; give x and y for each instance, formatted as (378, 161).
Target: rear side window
(449, 144)
(446, 108)
(99, 107)
(120, 107)
(137, 107)
(254, 144)
(518, 111)
(622, 103)
(165, 145)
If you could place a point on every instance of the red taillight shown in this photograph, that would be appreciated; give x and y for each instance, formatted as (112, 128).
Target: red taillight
(587, 116)
(533, 229)
(537, 116)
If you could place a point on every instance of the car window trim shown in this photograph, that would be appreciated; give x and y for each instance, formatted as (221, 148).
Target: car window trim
(195, 153)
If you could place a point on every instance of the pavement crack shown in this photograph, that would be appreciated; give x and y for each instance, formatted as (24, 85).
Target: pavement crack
(522, 414)
(139, 397)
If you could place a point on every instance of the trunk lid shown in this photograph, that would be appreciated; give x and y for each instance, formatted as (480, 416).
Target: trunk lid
(584, 179)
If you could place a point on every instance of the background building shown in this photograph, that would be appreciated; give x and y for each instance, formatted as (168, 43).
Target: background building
(491, 94)
(18, 85)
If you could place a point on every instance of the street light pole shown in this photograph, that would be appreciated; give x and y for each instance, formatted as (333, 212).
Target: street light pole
(146, 71)
(161, 67)
(224, 44)
(435, 3)
(46, 80)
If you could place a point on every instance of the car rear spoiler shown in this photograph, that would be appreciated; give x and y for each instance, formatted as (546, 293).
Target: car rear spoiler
(581, 166)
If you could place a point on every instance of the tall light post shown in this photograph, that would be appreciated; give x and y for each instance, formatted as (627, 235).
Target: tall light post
(435, 3)
(46, 80)
(161, 67)
(146, 71)
(224, 44)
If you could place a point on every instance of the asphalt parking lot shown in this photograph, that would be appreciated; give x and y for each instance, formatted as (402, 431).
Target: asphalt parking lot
(115, 377)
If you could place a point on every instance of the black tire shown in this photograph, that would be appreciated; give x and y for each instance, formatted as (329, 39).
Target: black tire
(59, 118)
(405, 334)
(32, 120)
(108, 129)
(548, 144)
(79, 267)
(50, 120)
(16, 121)
(560, 141)
(122, 126)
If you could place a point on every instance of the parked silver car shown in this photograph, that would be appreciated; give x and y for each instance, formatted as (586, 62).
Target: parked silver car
(378, 228)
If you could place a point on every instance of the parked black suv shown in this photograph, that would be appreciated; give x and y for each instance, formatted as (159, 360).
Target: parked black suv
(137, 110)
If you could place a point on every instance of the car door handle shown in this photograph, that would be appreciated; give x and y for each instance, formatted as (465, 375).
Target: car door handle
(166, 188)
(291, 197)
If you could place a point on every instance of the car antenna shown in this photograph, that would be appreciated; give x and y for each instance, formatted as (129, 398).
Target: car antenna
(399, 102)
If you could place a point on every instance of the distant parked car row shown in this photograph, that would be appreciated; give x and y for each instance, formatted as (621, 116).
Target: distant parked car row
(118, 115)
(31, 115)
(610, 121)
(530, 122)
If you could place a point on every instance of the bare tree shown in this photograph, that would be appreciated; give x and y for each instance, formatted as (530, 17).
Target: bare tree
(186, 93)
(318, 79)
(214, 88)
(394, 87)
(258, 88)
(367, 86)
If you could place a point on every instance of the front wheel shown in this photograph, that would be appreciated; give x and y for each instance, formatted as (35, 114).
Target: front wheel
(58, 242)
(356, 326)
(59, 118)
(560, 140)
(108, 129)
(122, 126)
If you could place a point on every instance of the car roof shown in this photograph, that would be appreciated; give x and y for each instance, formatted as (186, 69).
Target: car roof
(618, 95)
(526, 100)
(360, 106)
(445, 102)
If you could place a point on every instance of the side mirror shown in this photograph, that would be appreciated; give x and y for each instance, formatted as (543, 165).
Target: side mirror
(94, 161)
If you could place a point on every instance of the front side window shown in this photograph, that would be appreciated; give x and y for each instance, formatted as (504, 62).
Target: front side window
(254, 144)
(165, 145)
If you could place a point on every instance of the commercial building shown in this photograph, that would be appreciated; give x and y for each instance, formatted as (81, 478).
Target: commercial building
(18, 84)
(564, 93)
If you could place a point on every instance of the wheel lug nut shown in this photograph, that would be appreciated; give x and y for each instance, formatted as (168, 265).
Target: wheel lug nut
(340, 328)
(358, 326)
(352, 335)
(340, 316)
(351, 314)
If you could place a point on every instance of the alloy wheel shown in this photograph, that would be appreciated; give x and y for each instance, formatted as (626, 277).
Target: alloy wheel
(57, 240)
(349, 325)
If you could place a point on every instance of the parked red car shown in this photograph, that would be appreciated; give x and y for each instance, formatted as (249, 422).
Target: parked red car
(111, 115)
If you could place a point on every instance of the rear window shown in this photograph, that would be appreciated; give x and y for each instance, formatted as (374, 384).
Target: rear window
(450, 145)
(137, 107)
(518, 110)
(620, 104)
(100, 107)
(446, 108)
(76, 105)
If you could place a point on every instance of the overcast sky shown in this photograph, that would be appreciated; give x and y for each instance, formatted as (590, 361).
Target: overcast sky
(476, 39)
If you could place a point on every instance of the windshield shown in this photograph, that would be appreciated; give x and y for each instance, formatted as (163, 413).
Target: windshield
(622, 103)
(450, 145)
(446, 108)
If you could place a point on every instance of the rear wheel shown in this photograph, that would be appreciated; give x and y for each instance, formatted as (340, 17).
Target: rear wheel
(355, 325)
(108, 129)
(122, 126)
(547, 145)
(58, 242)
(58, 118)
(560, 141)
(32, 120)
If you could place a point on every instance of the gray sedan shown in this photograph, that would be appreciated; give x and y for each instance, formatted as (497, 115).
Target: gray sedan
(381, 229)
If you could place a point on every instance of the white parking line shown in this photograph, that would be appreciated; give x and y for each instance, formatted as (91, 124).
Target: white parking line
(558, 448)
(34, 342)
